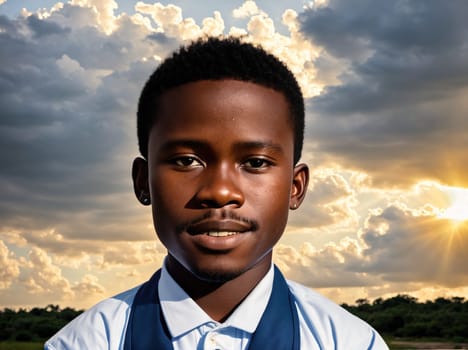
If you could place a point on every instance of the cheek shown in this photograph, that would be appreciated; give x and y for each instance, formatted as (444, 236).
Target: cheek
(167, 190)
(168, 198)
(274, 190)
(271, 203)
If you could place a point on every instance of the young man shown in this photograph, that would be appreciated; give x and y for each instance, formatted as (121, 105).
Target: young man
(220, 129)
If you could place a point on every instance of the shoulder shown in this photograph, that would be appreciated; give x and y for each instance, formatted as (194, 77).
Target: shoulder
(324, 324)
(100, 327)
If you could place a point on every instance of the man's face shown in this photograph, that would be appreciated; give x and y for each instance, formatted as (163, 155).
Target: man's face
(221, 175)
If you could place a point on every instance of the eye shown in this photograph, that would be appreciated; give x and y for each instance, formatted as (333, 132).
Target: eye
(186, 162)
(257, 163)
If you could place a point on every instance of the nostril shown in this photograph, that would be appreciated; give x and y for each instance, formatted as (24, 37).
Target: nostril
(217, 203)
(209, 204)
(215, 197)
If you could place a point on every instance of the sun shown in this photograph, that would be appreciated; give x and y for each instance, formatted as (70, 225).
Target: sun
(458, 209)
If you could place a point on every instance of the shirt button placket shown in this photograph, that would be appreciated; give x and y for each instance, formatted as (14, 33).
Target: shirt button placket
(213, 345)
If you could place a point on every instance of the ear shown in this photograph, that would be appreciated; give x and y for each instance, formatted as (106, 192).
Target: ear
(140, 180)
(299, 185)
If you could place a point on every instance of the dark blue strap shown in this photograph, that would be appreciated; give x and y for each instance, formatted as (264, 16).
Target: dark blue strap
(146, 327)
(278, 328)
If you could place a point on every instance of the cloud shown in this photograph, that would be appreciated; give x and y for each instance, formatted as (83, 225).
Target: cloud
(247, 9)
(88, 286)
(94, 254)
(134, 254)
(404, 244)
(67, 126)
(44, 277)
(322, 268)
(104, 11)
(43, 28)
(169, 20)
(399, 94)
(294, 50)
(10, 267)
(330, 200)
(395, 246)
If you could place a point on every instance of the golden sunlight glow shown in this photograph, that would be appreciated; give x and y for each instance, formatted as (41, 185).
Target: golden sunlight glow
(458, 209)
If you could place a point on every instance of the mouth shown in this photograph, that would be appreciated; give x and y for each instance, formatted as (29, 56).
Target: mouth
(219, 228)
(219, 235)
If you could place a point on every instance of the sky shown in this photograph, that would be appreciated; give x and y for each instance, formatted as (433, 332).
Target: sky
(386, 88)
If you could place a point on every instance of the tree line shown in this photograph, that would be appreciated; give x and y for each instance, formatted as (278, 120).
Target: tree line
(37, 324)
(401, 316)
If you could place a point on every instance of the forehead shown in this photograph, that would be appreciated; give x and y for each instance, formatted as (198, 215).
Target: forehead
(214, 105)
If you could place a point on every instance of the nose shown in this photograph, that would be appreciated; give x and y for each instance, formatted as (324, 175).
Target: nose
(220, 187)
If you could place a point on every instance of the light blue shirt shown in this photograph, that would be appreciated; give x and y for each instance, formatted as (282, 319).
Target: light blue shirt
(323, 324)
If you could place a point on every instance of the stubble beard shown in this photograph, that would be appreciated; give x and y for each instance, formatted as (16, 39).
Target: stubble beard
(217, 276)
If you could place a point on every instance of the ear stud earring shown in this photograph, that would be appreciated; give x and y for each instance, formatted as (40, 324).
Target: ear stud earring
(144, 198)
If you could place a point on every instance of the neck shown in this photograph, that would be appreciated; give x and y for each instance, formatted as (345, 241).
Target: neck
(218, 299)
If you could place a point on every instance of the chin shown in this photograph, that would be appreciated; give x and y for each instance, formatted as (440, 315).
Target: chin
(217, 275)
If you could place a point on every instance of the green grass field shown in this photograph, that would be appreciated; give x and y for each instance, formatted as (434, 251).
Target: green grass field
(407, 344)
(21, 346)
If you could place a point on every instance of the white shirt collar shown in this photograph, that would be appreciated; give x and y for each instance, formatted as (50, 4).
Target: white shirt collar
(182, 314)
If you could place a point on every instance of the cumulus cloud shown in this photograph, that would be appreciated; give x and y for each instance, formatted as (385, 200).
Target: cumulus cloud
(325, 267)
(169, 20)
(396, 245)
(330, 200)
(42, 278)
(294, 50)
(95, 254)
(397, 100)
(45, 277)
(127, 254)
(88, 286)
(104, 10)
(247, 9)
(10, 266)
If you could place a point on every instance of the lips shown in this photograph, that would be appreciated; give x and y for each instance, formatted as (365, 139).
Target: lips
(219, 228)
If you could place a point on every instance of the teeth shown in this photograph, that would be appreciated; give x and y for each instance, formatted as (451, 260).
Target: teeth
(221, 233)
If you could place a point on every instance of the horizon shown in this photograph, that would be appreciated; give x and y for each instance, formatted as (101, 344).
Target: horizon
(356, 303)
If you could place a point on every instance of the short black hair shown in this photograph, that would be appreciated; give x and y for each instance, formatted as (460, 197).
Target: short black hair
(218, 59)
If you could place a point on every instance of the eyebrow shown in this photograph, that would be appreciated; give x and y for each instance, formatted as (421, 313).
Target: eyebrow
(264, 145)
(201, 145)
(170, 145)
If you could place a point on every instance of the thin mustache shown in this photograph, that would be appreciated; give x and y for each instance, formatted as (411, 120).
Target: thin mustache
(224, 214)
